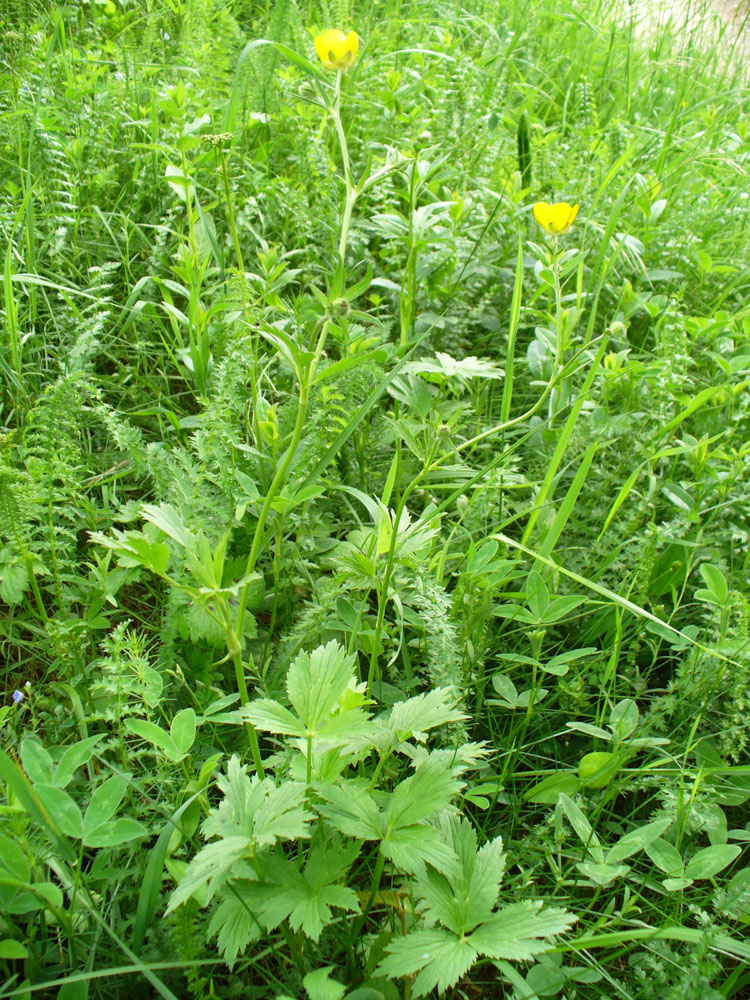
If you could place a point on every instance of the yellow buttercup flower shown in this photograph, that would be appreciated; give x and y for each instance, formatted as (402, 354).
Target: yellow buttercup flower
(557, 218)
(337, 50)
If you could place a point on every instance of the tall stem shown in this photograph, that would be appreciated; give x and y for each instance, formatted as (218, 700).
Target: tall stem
(560, 346)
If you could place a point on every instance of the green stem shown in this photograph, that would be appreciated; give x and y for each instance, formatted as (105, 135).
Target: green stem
(560, 346)
(383, 592)
(306, 379)
(235, 651)
(374, 886)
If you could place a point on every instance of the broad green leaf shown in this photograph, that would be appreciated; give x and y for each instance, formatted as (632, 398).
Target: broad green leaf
(30, 902)
(116, 832)
(589, 730)
(537, 595)
(711, 860)
(78, 989)
(665, 856)
(558, 665)
(73, 758)
(10, 949)
(36, 761)
(515, 612)
(13, 859)
(676, 884)
(482, 557)
(154, 734)
(182, 729)
(597, 769)
(104, 802)
(581, 825)
(547, 791)
(602, 874)
(636, 840)
(506, 689)
(62, 808)
(716, 583)
(562, 606)
(624, 718)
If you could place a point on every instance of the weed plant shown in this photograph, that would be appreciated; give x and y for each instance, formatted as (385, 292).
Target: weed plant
(374, 566)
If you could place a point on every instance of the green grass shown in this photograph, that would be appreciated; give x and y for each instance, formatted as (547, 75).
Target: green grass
(374, 564)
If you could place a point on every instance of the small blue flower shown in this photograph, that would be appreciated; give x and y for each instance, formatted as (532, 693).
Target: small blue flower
(17, 696)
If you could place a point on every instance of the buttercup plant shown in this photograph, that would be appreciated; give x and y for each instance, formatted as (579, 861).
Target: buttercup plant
(556, 219)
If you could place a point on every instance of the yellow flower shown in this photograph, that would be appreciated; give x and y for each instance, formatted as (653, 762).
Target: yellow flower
(557, 218)
(337, 50)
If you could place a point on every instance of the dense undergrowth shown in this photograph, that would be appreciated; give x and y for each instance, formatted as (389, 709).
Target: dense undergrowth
(373, 581)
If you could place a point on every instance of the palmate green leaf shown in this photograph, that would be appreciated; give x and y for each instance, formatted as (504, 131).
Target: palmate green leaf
(257, 809)
(235, 921)
(134, 548)
(467, 894)
(351, 729)
(352, 810)
(320, 986)
(271, 717)
(412, 847)
(519, 931)
(413, 718)
(439, 957)
(210, 867)
(447, 367)
(166, 519)
(428, 790)
(305, 904)
(254, 814)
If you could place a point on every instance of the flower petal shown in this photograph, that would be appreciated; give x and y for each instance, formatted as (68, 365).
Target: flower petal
(541, 214)
(335, 49)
